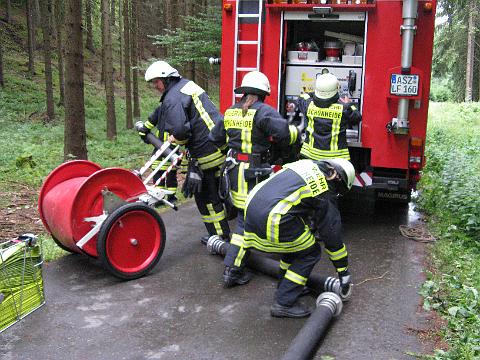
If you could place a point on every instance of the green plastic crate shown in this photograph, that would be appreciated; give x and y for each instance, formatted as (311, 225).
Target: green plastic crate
(21, 282)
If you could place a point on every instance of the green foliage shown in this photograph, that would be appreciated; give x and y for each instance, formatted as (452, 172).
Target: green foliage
(441, 90)
(448, 193)
(199, 39)
(450, 50)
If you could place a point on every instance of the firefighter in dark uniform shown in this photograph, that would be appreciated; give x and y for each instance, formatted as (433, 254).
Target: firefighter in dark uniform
(327, 118)
(248, 129)
(289, 214)
(155, 126)
(187, 114)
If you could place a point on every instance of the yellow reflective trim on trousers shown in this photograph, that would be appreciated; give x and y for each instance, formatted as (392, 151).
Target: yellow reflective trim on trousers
(239, 197)
(337, 255)
(342, 269)
(293, 134)
(237, 240)
(282, 207)
(240, 256)
(215, 219)
(238, 200)
(296, 278)
(303, 242)
(284, 265)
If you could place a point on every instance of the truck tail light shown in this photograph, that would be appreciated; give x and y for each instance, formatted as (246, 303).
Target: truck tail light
(427, 7)
(228, 7)
(415, 158)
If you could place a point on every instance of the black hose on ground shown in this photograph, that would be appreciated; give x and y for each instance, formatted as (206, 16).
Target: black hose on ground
(268, 266)
(305, 344)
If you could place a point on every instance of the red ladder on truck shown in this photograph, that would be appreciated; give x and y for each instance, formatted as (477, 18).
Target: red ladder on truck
(258, 17)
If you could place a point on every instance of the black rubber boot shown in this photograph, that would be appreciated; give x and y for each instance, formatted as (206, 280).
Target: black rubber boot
(204, 239)
(294, 311)
(235, 276)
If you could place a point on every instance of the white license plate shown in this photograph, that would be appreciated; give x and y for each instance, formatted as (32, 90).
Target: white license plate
(404, 85)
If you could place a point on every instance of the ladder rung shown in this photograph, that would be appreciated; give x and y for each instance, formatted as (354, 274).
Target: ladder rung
(238, 95)
(247, 42)
(247, 69)
(248, 15)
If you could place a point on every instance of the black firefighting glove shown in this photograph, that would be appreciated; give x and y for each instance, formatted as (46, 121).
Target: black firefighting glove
(193, 180)
(345, 285)
(143, 132)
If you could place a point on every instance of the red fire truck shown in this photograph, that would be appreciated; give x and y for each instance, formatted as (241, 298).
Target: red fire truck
(381, 52)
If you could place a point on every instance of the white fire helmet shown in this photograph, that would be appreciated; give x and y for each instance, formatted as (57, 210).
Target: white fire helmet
(254, 82)
(160, 69)
(326, 86)
(345, 169)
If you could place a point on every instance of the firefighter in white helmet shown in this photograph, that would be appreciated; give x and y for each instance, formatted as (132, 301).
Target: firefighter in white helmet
(289, 214)
(327, 118)
(186, 116)
(247, 130)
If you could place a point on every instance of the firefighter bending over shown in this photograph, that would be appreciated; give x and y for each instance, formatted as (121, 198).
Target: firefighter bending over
(327, 118)
(247, 130)
(289, 214)
(188, 115)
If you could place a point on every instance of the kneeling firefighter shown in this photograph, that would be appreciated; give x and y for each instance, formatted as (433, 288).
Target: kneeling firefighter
(248, 129)
(289, 214)
(188, 114)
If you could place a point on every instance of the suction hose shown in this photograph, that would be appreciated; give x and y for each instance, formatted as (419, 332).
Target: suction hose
(304, 345)
(268, 266)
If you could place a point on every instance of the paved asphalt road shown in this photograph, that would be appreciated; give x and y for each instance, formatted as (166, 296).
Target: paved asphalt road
(181, 311)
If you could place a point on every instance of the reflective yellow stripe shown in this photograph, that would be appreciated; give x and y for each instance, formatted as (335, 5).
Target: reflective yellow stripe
(212, 160)
(203, 113)
(284, 265)
(293, 134)
(237, 240)
(303, 242)
(148, 125)
(239, 258)
(335, 129)
(337, 255)
(234, 119)
(214, 219)
(342, 269)
(316, 154)
(239, 197)
(296, 278)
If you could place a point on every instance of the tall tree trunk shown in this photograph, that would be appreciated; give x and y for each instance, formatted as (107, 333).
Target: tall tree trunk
(46, 11)
(88, 21)
(189, 68)
(75, 144)
(36, 14)
(2, 83)
(30, 38)
(8, 11)
(112, 13)
(470, 52)
(128, 83)
(120, 33)
(59, 11)
(134, 53)
(108, 69)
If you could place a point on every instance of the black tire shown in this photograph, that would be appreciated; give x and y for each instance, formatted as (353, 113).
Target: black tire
(105, 239)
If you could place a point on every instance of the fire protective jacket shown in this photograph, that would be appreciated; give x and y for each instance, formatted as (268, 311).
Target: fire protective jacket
(281, 211)
(189, 116)
(327, 122)
(250, 135)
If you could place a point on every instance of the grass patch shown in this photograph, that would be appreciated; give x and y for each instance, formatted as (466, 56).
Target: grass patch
(450, 196)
